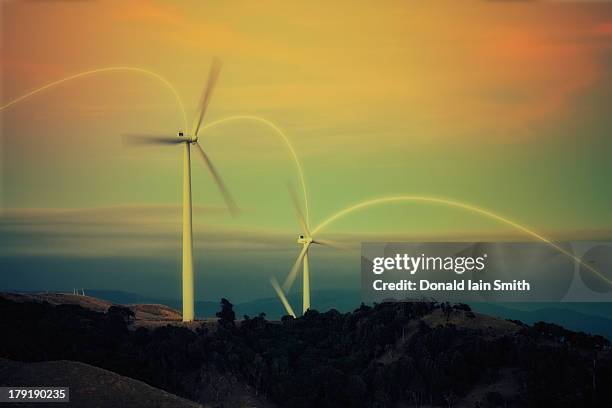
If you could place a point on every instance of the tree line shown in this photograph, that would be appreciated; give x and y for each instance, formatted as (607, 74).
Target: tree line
(375, 356)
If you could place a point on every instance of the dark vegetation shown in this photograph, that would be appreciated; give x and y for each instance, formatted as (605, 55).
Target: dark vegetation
(373, 357)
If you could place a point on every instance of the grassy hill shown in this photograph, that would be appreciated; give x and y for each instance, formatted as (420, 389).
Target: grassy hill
(143, 312)
(89, 386)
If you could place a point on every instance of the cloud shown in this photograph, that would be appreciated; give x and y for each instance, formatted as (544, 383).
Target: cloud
(155, 232)
(149, 12)
(536, 74)
(129, 231)
(603, 29)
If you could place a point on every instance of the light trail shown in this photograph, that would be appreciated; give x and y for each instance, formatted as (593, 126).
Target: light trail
(287, 142)
(181, 106)
(101, 70)
(460, 205)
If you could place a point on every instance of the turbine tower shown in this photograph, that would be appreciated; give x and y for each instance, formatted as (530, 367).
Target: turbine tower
(188, 141)
(306, 240)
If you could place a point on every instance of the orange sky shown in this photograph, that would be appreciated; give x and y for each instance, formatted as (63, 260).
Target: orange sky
(482, 101)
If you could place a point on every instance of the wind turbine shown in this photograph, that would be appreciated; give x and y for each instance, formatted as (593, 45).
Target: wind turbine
(306, 240)
(188, 141)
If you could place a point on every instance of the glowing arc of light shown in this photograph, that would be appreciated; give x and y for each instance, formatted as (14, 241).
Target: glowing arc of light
(287, 142)
(101, 70)
(182, 110)
(454, 204)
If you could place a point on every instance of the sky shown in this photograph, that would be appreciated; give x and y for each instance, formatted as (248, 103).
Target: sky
(499, 104)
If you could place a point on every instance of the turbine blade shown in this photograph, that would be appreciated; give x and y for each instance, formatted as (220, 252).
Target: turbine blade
(213, 75)
(144, 140)
(229, 200)
(293, 273)
(333, 244)
(282, 297)
(298, 209)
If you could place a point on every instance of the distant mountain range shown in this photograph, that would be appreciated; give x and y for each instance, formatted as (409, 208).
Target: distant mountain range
(343, 301)
(573, 316)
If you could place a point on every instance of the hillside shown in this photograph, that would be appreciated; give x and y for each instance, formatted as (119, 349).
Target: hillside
(89, 386)
(593, 318)
(144, 313)
(389, 355)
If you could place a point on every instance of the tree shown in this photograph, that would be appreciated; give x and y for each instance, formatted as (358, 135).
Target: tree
(124, 313)
(226, 315)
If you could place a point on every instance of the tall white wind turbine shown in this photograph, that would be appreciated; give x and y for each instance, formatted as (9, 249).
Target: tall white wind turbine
(306, 240)
(188, 141)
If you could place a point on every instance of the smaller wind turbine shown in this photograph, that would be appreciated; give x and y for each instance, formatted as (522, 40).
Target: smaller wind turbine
(188, 141)
(306, 240)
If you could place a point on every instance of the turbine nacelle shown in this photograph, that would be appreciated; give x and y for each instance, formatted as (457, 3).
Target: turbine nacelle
(189, 139)
(303, 239)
